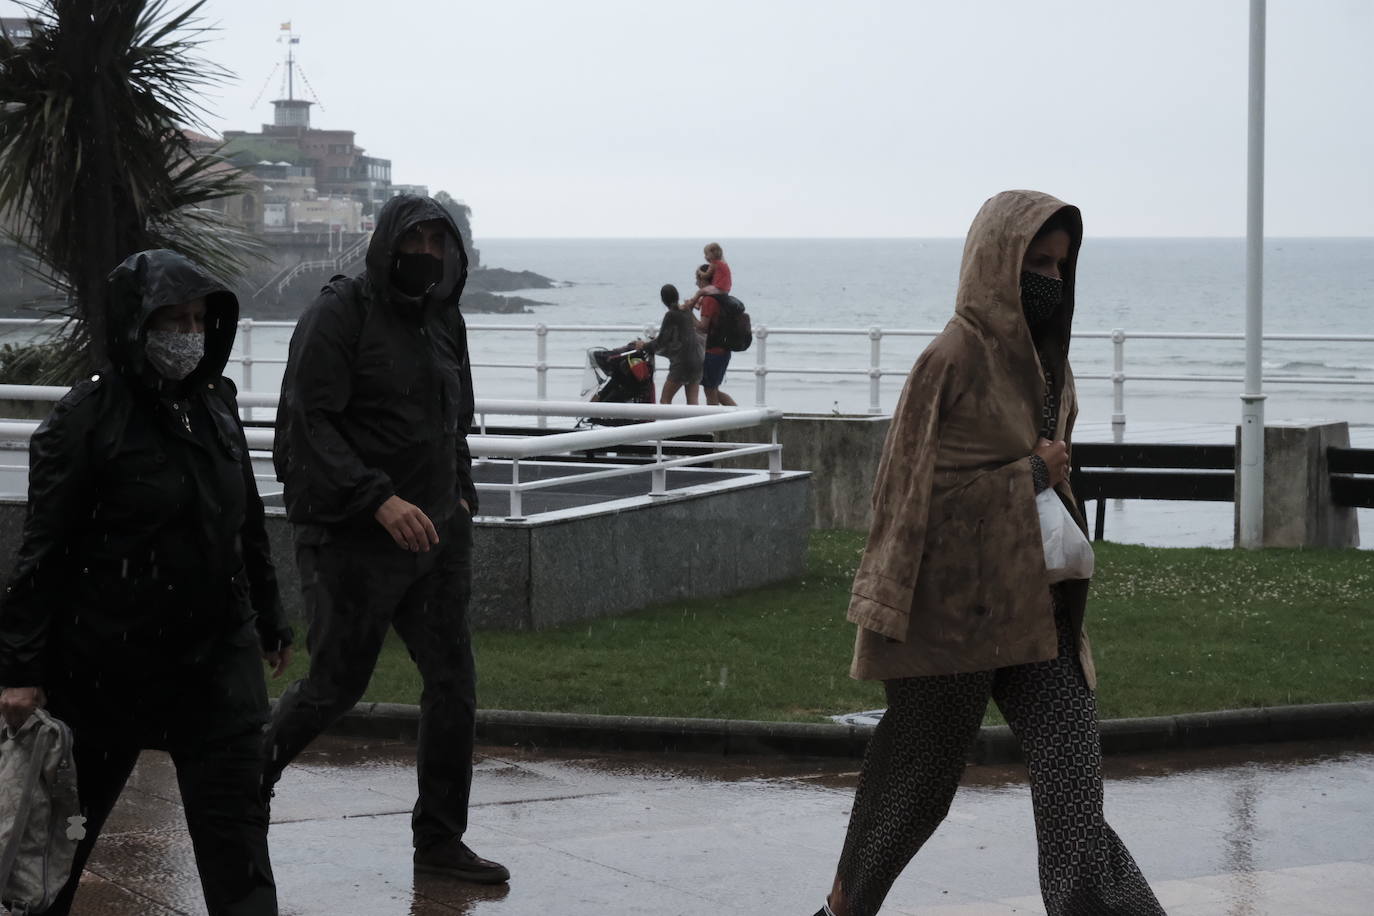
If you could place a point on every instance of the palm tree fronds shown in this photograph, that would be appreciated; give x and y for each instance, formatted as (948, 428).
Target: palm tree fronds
(94, 161)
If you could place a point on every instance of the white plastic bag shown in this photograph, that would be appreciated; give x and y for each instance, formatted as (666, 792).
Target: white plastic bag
(1068, 555)
(40, 816)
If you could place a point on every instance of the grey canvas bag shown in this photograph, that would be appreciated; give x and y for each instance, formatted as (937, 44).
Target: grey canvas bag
(40, 816)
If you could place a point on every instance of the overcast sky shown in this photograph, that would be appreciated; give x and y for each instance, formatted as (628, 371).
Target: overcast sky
(800, 118)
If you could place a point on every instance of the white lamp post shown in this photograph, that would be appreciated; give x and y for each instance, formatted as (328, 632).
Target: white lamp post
(1251, 482)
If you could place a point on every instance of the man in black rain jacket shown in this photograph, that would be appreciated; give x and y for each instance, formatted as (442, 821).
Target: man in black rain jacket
(372, 448)
(144, 592)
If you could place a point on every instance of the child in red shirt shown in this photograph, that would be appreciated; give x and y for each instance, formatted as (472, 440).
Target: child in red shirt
(718, 278)
(720, 271)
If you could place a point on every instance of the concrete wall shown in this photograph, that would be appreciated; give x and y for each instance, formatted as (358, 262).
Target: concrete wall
(535, 575)
(1298, 511)
(842, 454)
(676, 547)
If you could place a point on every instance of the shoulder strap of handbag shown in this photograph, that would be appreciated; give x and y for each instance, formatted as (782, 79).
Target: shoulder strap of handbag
(42, 741)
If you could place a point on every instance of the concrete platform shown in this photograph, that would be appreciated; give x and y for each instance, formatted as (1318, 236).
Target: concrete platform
(1281, 830)
(592, 549)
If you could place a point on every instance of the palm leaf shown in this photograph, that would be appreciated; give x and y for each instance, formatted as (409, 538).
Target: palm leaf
(94, 161)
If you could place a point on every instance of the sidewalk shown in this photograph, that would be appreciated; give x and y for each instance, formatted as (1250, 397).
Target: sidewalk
(1274, 830)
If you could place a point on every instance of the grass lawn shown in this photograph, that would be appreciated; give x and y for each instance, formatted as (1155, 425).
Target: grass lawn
(1173, 630)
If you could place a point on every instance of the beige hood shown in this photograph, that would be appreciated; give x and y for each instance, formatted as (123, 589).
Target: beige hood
(953, 576)
(989, 296)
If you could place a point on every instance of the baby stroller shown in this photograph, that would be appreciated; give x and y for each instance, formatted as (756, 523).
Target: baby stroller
(624, 375)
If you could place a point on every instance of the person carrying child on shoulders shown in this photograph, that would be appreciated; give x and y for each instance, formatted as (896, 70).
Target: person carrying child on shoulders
(711, 328)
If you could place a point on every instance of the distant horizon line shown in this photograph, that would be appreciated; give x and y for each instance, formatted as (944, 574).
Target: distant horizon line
(888, 238)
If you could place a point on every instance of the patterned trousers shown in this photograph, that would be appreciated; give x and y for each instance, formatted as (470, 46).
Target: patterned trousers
(916, 756)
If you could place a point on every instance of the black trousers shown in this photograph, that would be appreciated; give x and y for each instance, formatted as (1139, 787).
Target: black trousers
(355, 589)
(913, 763)
(220, 792)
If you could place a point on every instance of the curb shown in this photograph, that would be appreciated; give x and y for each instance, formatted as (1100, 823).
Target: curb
(995, 744)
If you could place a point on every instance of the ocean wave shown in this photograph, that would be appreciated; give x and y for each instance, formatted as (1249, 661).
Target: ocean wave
(1311, 366)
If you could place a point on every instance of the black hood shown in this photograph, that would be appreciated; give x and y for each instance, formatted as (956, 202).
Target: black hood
(396, 219)
(146, 282)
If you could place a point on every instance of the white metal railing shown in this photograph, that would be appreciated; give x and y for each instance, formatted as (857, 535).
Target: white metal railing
(876, 372)
(873, 369)
(659, 424)
(286, 275)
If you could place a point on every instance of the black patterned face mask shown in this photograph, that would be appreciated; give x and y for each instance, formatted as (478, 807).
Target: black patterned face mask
(1041, 297)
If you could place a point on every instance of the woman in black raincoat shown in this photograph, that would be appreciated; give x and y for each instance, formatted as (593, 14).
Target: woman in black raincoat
(144, 595)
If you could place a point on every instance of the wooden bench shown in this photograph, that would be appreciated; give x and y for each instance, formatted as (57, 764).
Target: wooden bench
(1103, 471)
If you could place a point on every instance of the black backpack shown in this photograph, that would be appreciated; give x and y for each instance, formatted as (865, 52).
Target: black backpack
(734, 330)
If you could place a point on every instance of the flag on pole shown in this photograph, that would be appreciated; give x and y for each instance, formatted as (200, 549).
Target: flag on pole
(286, 26)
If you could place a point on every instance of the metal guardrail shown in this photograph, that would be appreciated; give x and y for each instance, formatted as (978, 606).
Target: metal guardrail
(286, 275)
(875, 371)
(762, 369)
(659, 423)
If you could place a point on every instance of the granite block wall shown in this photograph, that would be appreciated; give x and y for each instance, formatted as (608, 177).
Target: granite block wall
(534, 575)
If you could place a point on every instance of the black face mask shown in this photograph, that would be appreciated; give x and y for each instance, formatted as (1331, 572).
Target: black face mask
(1041, 297)
(414, 274)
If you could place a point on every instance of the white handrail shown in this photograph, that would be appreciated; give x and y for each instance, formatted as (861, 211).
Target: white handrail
(284, 276)
(516, 408)
(874, 370)
(500, 406)
(601, 437)
(518, 448)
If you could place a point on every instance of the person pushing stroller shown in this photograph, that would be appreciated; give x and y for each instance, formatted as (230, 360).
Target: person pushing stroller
(678, 340)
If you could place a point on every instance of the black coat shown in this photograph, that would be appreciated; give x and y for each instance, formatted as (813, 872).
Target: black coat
(145, 558)
(377, 398)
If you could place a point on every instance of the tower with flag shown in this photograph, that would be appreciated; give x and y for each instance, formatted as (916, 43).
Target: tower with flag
(291, 111)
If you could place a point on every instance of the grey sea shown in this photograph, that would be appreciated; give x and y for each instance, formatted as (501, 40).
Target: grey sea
(1311, 287)
(1322, 287)
(1319, 287)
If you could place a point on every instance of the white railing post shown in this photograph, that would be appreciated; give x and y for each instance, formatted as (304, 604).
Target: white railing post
(1118, 384)
(246, 360)
(775, 456)
(761, 366)
(516, 503)
(875, 370)
(541, 366)
(659, 478)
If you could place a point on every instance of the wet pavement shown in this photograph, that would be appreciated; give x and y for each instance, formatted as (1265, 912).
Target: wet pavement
(1280, 830)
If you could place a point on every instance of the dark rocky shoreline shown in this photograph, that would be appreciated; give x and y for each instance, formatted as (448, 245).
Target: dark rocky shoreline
(483, 302)
(488, 292)
(487, 286)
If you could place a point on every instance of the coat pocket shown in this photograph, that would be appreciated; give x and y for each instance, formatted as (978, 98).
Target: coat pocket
(451, 393)
(954, 570)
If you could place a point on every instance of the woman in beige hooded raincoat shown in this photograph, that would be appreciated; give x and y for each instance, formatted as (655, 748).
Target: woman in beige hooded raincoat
(952, 600)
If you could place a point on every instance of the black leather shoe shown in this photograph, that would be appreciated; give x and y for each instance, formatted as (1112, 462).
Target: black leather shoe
(454, 859)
